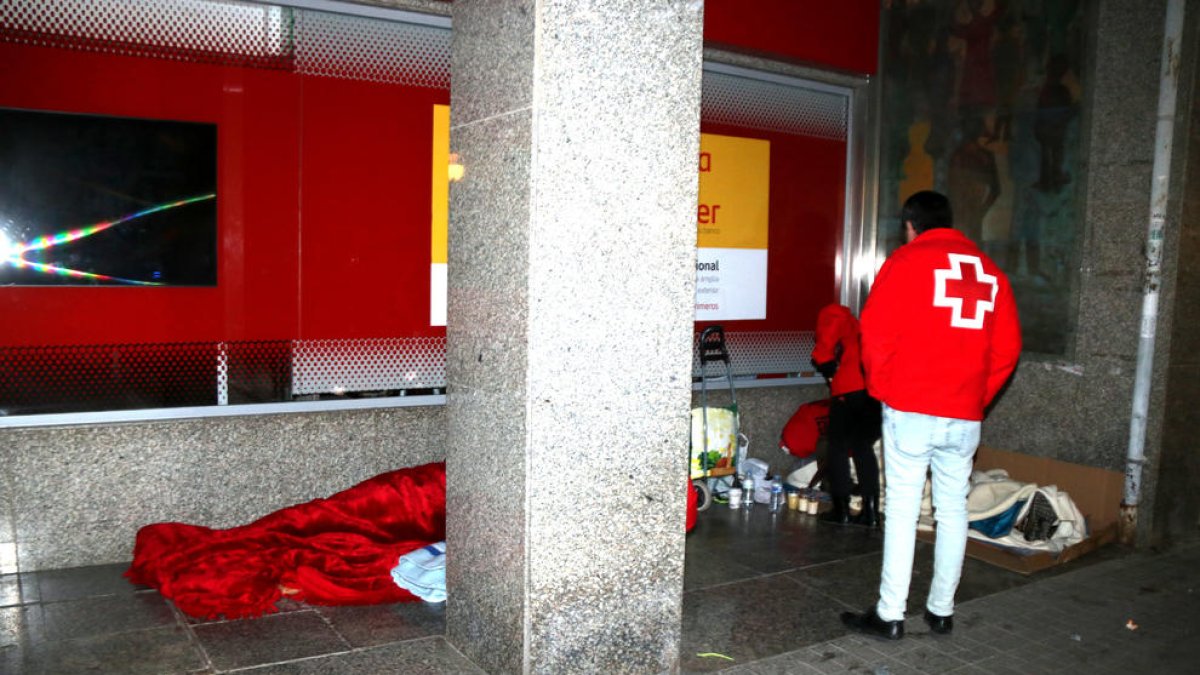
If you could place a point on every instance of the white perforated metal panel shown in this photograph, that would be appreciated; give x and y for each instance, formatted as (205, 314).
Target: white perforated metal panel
(376, 365)
(357, 48)
(767, 353)
(770, 106)
(241, 33)
(200, 30)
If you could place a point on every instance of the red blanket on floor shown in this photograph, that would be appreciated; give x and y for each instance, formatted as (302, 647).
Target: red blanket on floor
(334, 551)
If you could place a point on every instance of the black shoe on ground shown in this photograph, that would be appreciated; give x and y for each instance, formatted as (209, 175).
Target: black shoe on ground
(840, 514)
(869, 515)
(870, 624)
(942, 625)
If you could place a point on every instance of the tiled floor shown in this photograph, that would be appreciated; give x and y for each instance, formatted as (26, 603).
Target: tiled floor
(91, 620)
(759, 585)
(762, 595)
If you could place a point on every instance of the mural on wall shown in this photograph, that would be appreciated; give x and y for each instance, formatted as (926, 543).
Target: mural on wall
(981, 101)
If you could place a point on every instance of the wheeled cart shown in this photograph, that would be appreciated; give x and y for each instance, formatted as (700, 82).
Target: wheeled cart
(715, 433)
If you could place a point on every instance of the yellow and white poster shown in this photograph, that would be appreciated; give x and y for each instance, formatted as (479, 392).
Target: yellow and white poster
(731, 222)
(441, 215)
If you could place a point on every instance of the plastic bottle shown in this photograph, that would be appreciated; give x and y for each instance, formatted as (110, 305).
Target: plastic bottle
(776, 496)
(748, 492)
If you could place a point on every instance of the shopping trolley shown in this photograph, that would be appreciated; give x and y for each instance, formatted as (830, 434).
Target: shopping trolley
(716, 438)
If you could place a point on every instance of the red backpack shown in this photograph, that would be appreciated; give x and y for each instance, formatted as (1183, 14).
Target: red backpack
(805, 428)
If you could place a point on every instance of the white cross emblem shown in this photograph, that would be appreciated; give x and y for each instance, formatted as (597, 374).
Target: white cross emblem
(965, 286)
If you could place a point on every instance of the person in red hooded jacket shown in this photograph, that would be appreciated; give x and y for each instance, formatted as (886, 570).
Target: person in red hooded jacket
(853, 417)
(940, 337)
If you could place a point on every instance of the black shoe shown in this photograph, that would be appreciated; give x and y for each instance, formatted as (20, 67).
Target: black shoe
(1040, 519)
(869, 515)
(840, 514)
(942, 625)
(870, 623)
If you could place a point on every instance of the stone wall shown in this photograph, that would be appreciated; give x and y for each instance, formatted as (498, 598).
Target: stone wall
(75, 496)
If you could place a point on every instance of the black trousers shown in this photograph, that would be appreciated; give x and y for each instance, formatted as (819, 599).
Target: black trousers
(855, 422)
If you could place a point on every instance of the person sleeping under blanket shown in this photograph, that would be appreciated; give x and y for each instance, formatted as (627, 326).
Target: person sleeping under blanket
(1016, 514)
(338, 550)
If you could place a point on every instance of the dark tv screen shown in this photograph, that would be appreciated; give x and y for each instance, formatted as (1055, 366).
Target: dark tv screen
(87, 200)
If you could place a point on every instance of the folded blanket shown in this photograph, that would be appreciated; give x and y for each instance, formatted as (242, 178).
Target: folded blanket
(423, 572)
(1001, 511)
(994, 493)
(1069, 527)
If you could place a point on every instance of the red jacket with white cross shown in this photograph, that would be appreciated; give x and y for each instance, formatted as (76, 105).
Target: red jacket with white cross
(940, 333)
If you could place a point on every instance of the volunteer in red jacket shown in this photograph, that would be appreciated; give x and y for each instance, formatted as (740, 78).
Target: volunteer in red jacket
(853, 417)
(940, 337)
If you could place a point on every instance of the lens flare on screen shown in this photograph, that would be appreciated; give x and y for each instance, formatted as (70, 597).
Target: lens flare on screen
(6, 246)
(14, 254)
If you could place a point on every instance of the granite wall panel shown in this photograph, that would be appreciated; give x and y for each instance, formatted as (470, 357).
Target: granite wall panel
(79, 494)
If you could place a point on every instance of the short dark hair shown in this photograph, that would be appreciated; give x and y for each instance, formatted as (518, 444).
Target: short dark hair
(927, 210)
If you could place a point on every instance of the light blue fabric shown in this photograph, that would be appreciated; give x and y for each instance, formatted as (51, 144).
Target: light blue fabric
(423, 572)
(1000, 524)
(912, 443)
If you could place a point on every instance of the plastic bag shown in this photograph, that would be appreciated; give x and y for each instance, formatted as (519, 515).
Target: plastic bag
(722, 439)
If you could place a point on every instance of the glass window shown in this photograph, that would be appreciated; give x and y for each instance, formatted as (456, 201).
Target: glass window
(215, 203)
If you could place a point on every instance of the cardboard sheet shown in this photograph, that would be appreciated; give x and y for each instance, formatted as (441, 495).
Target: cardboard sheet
(1097, 493)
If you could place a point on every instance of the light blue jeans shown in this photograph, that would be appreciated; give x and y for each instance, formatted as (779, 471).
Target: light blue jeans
(912, 444)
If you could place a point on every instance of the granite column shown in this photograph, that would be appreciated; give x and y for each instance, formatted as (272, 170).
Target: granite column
(569, 333)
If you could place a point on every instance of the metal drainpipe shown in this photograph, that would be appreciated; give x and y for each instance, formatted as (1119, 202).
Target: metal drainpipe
(1159, 195)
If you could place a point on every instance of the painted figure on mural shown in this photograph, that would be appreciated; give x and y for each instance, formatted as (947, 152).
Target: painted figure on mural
(918, 165)
(975, 25)
(973, 179)
(939, 88)
(1055, 110)
(1010, 74)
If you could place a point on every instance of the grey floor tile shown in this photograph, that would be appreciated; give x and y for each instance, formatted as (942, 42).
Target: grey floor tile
(430, 656)
(1008, 665)
(829, 659)
(716, 567)
(979, 579)
(756, 619)
(97, 616)
(854, 582)
(986, 633)
(267, 640)
(769, 544)
(931, 659)
(282, 606)
(10, 590)
(856, 659)
(11, 657)
(969, 669)
(157, 650)
(75, 583)
(970, 649)
(786, 664)
(20, 625)
(893, 667)
(873, 650)
(382, 624)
